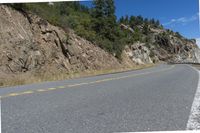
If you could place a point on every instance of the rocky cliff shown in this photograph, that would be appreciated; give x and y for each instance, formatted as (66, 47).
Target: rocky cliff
(164, 45)
(29, 44)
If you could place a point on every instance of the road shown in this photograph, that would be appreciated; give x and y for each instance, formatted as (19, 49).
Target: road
(153, 99)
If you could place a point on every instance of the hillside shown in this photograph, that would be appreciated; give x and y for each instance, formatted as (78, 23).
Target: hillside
(32, 46)
(165, 45)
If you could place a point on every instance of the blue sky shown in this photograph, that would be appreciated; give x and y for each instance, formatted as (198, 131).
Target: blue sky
(178, 15)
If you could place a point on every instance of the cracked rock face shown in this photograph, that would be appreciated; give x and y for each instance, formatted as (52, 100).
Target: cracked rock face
(172, 49)
(139, 53)
(16, 43)
(29, 43)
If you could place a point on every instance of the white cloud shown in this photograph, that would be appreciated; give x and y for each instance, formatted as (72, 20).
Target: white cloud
(183, 20)
(198, 41)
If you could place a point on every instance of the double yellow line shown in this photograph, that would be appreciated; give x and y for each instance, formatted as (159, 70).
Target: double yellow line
(80, 84)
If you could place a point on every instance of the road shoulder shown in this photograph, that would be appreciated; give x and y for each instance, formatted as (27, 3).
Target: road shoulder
(194, 118)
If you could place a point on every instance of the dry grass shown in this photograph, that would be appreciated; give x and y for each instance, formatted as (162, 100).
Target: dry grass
(23, 79)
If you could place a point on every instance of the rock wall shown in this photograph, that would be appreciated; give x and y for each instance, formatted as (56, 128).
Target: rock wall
(138, 53)
(161, 48)
(29, 43)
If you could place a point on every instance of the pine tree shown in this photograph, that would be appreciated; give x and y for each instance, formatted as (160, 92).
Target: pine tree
(140, 19)
(152, 22)
(121, 20)
(110, 21)
(63, 8)
(99, 6)
(132, 21)
(126, 20)
(157, 23)
(146, 20)
(104, 18)
(98, 16)
(146, 29)
(109, 8)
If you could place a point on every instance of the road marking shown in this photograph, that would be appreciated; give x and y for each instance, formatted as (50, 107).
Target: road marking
(51, 89)
(41, 90)
(61, 87)
(26, 92)
(13, 94)
(194, 118)
(103, 80)
(81, 84)
(129, 76)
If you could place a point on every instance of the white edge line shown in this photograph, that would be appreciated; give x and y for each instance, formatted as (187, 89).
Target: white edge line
(193, 123)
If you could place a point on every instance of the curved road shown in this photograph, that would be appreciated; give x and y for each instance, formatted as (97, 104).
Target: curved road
(153, 99)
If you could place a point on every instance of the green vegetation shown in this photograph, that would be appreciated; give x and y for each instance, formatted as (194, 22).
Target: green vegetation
(97, 24)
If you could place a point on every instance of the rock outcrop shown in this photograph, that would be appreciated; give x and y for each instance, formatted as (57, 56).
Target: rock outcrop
(139, 53)
(29, 43)
(164, 46)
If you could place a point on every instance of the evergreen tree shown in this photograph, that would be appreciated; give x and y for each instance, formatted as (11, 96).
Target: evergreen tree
(146, 20)
(98, 8)
(132, 21)
(104, 18)
(140, 19)
(146, 29)
(110, 21)
(98, 15)
(152, 22)
(126, 20)
(106, 26)
(63, 8)
(121, 20)
(76, 5)
(157, 23)
(109, 8)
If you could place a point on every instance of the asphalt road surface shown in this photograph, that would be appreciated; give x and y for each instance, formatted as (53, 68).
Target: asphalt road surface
(153, 99)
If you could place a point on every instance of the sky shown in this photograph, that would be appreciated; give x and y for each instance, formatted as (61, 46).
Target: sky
(178, 15)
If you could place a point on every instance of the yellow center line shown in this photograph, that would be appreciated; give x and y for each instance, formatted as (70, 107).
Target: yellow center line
(17, 94)
(81, 84)
(41, 90)
(51, 89)
(123, 77)
(13, 94)
(26, 92)
(61, 87)
(99, 81)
